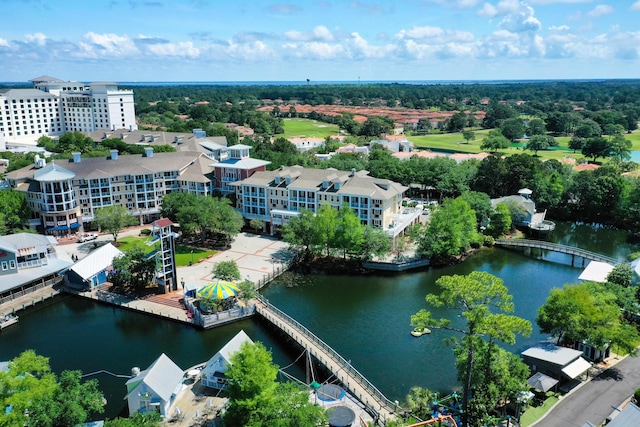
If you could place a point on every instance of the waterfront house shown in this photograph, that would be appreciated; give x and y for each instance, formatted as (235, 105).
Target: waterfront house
(276, 196)
(155, 388)
(213, 374)
(91, 271)
(596, 271)
(28, 261)
(555, 361)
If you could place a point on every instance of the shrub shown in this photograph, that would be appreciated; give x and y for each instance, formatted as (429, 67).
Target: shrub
(145, 231)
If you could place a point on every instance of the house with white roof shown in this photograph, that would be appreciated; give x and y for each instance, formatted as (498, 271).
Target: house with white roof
(596, 271)
(555, 361)
(213, 374)
(156, 388)
(91, 271)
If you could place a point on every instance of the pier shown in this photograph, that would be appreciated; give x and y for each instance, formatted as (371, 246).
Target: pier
(379, 406)
(574, 251)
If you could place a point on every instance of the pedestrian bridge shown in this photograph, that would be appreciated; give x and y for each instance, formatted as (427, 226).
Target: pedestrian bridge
(381, 408)
(548, 246)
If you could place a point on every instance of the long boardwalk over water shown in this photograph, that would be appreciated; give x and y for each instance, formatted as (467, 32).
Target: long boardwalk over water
(548, 246)
(375, 402)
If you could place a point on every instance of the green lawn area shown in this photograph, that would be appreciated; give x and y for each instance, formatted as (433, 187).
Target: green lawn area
(455, 142)
(307, 128)
(184, 254)
(532, 414)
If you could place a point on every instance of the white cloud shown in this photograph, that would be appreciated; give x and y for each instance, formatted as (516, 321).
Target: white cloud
(319, 33)
(4, 43)
(520, 21)
(636, 5)
(458, 4)
(107, 45)
(314, 50)
(185, 49)
(254, 51)
(559, 28)
(502, 8)
(599, 10)
(558, 1)
(362, 49)
(37, 38)
(435, 35)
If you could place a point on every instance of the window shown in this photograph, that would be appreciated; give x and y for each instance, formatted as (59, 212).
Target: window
(5, 266)
(12, 264)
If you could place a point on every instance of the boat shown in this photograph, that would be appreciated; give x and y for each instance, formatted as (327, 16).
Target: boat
(8, 320)
(418, 332)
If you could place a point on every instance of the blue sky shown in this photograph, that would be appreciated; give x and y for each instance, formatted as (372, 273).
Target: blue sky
(256, 40)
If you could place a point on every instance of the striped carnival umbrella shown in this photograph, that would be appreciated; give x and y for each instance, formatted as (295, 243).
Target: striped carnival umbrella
(220, 290)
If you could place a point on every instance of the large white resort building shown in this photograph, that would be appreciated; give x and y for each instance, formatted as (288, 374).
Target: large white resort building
(53, 107)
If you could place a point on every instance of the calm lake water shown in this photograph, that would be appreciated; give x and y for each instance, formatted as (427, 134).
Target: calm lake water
(365, 318)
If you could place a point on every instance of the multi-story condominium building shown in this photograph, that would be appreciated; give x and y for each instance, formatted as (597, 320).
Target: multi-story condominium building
(54, 107)
(64, 195)
(276, 196)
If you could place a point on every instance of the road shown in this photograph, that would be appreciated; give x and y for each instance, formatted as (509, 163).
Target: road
(598, 398)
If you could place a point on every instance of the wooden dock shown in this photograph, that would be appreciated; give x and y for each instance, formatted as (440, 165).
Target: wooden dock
(29, 299)
(381, 408)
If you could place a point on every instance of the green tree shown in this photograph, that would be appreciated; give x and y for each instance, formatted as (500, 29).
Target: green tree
(622, 274)
(468, 135)
(113, 219)
(620, 148)
(483, 302)
(150, 419)
(501, 222)
(133, 270)
(539, 142)
(247, 290)
(74, 141)
(513, 128)
(576, 143)
(597, 147)
(256, 399)
(497, 114)
(299, 233)
(226, 270)
(495, 141)
(375, 242)
(376, 126)
(14, 211)
(37, 397)
(256, 224)
(587, 312)
(480, 203)
(349, 232)
(450, 232)
(324, 227)
(456, 122)
(420, 402)
(536, 127)
(497, 375)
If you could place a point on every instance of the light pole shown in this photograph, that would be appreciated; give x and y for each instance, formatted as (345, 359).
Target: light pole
(273, 265)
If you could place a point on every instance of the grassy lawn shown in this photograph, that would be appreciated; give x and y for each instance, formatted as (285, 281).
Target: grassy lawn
(455, 142)
(307, 128)
(184, 254)
(532, 414)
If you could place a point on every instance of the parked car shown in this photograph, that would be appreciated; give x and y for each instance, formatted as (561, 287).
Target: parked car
(87, 237)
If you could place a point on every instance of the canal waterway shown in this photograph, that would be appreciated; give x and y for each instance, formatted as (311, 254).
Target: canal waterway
(365, 318)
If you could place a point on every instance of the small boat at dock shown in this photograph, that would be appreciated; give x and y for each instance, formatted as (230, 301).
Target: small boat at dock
(418, 332)
(8, 320)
